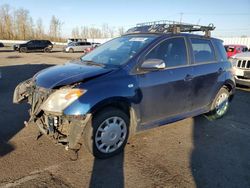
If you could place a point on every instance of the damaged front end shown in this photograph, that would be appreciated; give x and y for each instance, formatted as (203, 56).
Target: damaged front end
(46, 112)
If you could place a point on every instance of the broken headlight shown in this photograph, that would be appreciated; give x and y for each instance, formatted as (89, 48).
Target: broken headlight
(61, 99)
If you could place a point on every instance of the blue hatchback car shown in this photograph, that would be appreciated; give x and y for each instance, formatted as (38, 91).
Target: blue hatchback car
(134, 82)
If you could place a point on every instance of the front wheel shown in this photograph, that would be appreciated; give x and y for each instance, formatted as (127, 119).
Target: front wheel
(47, 50)
(220, 105)
(23, 50)
(108, 134)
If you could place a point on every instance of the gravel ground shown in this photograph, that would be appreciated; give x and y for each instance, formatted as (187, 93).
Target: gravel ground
(190, 153)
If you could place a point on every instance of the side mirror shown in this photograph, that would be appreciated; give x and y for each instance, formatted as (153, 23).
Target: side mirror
(153, 64)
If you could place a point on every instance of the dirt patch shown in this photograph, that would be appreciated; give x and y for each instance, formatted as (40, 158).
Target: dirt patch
(38, 180)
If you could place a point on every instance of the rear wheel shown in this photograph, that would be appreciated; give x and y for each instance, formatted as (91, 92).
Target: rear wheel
(220, 105)
(108, 134)
(71, 50)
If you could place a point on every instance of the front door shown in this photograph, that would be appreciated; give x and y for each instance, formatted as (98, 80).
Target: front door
(165, 93)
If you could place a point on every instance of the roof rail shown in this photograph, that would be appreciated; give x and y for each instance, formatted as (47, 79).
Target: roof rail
(166, 26)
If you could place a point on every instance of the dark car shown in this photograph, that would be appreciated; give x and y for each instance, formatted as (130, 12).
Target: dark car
(34, 45)
(138, 81)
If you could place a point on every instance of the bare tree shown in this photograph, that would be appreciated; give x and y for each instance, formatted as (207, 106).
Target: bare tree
(40, 34)
(55, 28)
(22, 23)
(75, 32)
(121, 31)
(6, 22)
(105, 30)
(85, 32)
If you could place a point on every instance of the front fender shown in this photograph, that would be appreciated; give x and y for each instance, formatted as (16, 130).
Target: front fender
(98, 92)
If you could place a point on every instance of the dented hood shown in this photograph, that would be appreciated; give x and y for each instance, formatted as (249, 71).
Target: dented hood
(66, 74)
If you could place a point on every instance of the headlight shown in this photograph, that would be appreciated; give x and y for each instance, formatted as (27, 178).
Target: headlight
(61, 99)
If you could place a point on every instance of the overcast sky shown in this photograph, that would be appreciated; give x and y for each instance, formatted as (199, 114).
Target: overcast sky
(231, 18)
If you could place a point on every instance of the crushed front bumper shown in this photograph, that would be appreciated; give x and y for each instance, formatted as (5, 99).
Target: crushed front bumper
(64, 129)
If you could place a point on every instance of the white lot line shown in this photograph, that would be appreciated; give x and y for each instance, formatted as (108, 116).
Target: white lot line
(35, 174)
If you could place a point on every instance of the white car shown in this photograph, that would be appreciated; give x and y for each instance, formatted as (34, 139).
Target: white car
(77, 47)
(241, 64)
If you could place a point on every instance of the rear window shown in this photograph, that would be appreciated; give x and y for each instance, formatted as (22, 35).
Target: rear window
(203, 50)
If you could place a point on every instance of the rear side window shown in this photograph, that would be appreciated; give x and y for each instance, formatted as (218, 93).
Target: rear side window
(222, 55)
(203, 50)
(172, 51)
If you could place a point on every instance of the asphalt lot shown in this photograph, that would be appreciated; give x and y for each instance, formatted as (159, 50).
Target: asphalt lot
(191, 153)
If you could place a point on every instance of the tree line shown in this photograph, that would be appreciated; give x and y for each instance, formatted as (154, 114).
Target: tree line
(17, 24)
(94, 32)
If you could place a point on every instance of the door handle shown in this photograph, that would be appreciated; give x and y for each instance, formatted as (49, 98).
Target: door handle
(220, 70)
(188, 77)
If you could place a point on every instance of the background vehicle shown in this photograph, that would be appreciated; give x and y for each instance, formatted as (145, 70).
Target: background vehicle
(77, 47)
(34, 45)
(150, 76)
(241, 65)
(70, 40)
(234, 49)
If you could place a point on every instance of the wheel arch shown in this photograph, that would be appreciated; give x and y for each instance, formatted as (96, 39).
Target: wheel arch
(120, 103)
(230, 86)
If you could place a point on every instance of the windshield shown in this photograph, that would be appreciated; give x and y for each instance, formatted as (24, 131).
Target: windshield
(119, 50)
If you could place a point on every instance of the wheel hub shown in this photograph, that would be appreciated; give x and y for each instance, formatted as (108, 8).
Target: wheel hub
(111, 134)
(222, 104)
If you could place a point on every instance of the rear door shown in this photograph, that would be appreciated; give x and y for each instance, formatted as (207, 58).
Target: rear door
(206, 72)
(165, 93)
(31, 45)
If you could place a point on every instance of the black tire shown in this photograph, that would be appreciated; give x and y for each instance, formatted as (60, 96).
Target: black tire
(23, 50)
(219, 111)
(92, 131)
(47, 50)
(71, 50)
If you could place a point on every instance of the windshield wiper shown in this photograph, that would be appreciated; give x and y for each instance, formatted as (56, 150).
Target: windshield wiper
(88, 62)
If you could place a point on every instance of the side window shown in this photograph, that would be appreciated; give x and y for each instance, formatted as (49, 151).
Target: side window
(245, 49)
(172, 51)
(203, 50)
(222, 55)
(88, 43)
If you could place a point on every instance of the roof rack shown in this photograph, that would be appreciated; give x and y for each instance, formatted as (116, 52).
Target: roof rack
(166, 26)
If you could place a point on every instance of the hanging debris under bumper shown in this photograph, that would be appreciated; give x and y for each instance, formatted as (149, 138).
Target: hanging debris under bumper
(64, 129)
